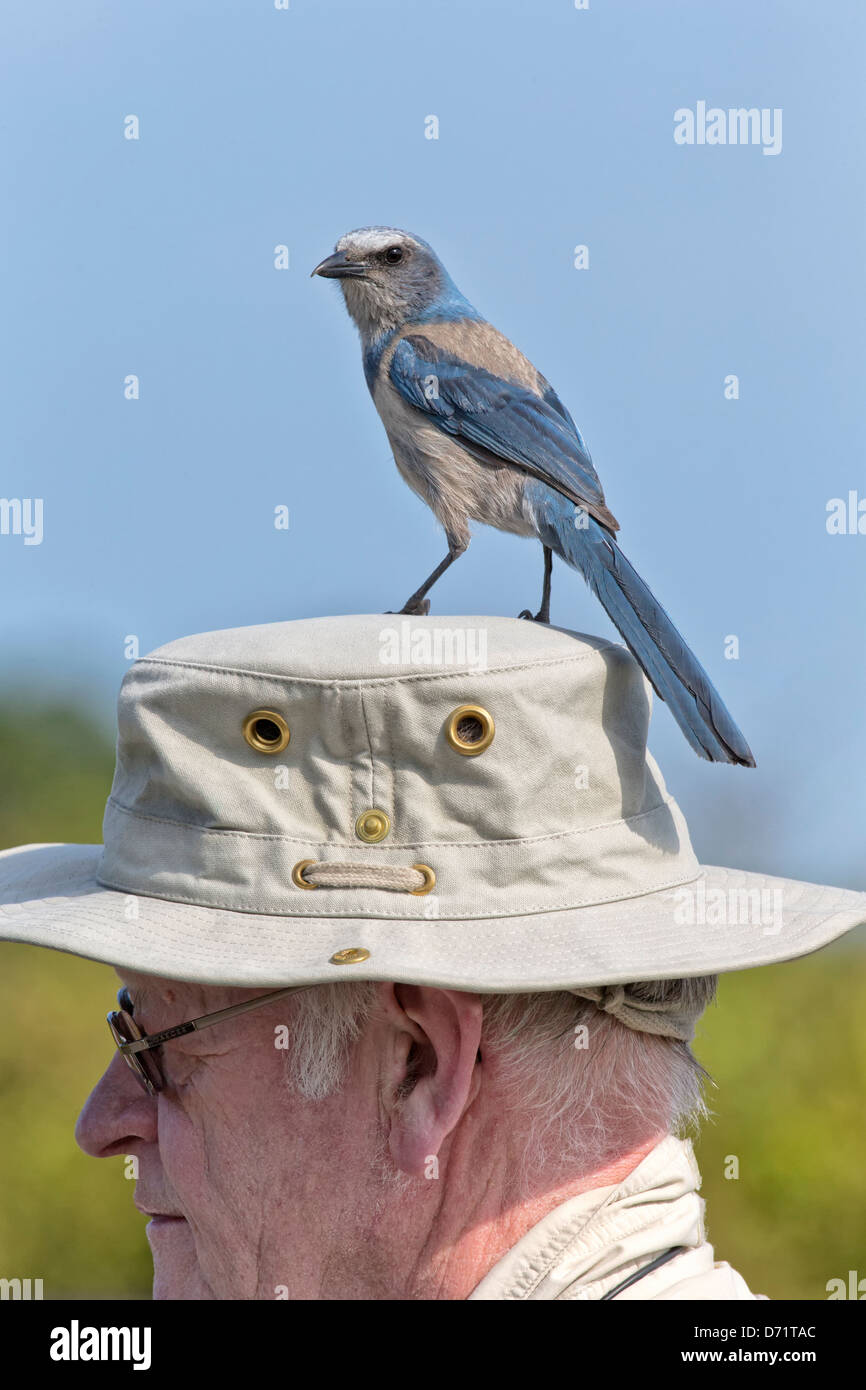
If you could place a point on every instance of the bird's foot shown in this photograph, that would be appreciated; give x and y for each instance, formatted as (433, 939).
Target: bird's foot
(415, 608)
(542, 616)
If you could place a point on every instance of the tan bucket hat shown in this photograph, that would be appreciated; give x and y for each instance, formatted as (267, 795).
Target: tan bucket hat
(463, 802)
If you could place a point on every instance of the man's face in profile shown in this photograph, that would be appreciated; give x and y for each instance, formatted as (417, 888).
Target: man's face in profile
(235, 1170)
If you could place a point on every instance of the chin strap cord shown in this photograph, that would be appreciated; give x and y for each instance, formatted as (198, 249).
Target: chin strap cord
(664, 1019)
(647, 1269)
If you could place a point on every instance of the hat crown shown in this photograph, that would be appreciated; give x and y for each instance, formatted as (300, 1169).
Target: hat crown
(200, 812)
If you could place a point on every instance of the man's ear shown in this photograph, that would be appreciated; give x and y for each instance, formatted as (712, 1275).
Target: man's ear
(436, 1034)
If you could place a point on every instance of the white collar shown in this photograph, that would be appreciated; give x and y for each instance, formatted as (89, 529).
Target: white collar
(590, 1243)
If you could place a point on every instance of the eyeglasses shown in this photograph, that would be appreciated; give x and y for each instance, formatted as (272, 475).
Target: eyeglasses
(139, 1050)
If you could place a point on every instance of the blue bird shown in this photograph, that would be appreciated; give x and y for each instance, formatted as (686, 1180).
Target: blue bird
(481, 435)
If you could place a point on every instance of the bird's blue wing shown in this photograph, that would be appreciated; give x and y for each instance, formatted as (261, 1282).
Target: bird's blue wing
(499, 420)
(550, 396)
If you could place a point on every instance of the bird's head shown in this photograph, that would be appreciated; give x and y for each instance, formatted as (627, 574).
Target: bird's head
(388, 278)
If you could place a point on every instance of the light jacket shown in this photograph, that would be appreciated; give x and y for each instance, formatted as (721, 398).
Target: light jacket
(587, 1247)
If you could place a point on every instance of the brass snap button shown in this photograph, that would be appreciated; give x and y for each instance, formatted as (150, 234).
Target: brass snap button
(470, 729)
(429, 880)
(350, 955)
(266, 731)
(372, 826)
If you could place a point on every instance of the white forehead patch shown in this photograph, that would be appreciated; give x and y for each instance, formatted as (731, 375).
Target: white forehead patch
(369, 240)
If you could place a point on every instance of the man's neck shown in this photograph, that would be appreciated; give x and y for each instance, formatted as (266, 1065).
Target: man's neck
(462, 1245)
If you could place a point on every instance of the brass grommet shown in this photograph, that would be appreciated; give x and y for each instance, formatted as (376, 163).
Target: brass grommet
(372, 826)
(298, 874)
(266, 731)
(429, 881)
(351, 955)
(470, 730)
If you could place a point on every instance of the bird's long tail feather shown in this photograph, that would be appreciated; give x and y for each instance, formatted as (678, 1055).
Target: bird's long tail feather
(672, 669)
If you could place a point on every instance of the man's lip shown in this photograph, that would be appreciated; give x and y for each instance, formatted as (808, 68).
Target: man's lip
(160, 1215)
(158, 1220)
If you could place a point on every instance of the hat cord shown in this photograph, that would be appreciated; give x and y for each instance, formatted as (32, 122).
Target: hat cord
(333, 874)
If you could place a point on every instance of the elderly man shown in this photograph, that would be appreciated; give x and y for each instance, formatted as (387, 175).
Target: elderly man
(411, 945)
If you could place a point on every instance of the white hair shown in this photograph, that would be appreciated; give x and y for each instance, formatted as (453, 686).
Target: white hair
(584, 1088)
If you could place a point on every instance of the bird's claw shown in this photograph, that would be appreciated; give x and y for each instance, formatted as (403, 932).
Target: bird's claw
(539, 617)
(420, 608)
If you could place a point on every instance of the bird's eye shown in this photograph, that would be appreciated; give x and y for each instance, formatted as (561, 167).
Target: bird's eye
(394, 254)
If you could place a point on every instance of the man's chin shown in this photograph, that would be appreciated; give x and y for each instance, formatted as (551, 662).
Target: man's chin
(176, 1274)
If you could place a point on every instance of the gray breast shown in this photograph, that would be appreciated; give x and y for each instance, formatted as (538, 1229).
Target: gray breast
(456, 486)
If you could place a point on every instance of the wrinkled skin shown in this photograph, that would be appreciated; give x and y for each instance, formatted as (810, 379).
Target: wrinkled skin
(277, 1196)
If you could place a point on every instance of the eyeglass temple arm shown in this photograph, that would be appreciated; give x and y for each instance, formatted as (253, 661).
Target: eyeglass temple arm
(195, 1025)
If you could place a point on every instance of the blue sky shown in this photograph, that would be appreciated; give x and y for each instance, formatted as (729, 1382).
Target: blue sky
(261, 127)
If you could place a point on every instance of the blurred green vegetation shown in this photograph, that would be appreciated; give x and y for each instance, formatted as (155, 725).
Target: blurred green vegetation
(786, 1046)
(55, 773)
(64, 1218)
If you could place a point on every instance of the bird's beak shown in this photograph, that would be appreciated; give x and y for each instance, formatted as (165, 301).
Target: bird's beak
(339, 267)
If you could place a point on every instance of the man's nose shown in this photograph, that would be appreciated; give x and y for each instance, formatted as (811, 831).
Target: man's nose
(116, 1112)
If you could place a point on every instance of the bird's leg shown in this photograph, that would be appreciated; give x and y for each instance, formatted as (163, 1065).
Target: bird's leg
(543, 614)
(418, 604)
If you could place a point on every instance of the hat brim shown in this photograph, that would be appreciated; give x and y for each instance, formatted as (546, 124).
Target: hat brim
(50, 896)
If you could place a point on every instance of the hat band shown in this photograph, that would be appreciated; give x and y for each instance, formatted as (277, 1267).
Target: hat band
(243, 872)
